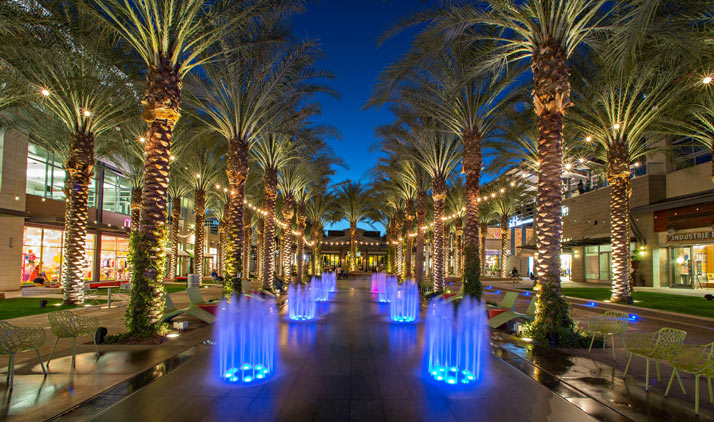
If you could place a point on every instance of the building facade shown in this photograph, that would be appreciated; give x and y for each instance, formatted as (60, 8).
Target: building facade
(32, 220)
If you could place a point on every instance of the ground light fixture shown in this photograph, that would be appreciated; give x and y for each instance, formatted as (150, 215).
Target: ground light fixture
(173, 335)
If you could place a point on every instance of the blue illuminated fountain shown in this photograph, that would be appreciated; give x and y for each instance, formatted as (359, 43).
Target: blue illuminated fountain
(301, 303)
(404, 301)
(456, 341)
(245, 332)
(384, 287)
(320, 288)
(331, 279)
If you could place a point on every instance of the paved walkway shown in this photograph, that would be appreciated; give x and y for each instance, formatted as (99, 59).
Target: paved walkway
(352, 364)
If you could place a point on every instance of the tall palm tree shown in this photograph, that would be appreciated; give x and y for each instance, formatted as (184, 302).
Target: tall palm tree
(201, 168)
(76, 84)
(509, 197)
(438, 153)
(272, 152)
(320, 209)
(354, 199)
(172, 38)
(547, 34)
(456, 206)
(177, 190)
(488, 215)
(626, 108)
(292, 180)
(239, 96)
(437, 78)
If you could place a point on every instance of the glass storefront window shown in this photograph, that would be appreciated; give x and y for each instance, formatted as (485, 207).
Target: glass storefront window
(591, 263)
(42, 255)
(114, 264)
(689, 267)
(45, 175)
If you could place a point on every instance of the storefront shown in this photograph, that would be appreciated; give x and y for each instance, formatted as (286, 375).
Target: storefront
(42, 256)
(566, 266)
(690, 258)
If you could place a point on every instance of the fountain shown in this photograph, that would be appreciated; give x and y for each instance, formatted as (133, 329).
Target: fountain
(403, 301)
(331, 281)
(374, 288)
(455, 339)
(383, 287)
(301, 303)
(320, 288)
(245, 332)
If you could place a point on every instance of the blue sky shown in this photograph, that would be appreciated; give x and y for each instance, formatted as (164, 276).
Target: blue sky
(348, 31)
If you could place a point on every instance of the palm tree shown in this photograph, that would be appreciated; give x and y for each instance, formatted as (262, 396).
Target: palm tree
(456, 206)
(292, 180)
(509, 197)
(75, 84)
(320, 209)
(172, 38)
(354, 199)
(437, 79)
(487, 214)
(438, 153)
(626, 108)
(200, 167)
(547, 34)
(272, 153)
(177, 190)
(237, 98)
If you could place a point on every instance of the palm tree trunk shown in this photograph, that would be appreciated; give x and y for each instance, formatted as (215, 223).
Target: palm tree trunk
(409, 240)
(353, 246)
(551, 98)
(247, 241)
(458, 257)
(199, 207)
(221, 245)
(260, 248)
(271, 194)
(79, 168)
(316, 246)
(398, 228)
(439, 195)
(237, 172)
(135, 208)
(420, 221)
(483, 233)
(161, 111)
(390, 248)
(472, 161)
(618, 176)
(301, 221)
(288, 237)
(504, 245)
(447, 250)
(174, 235)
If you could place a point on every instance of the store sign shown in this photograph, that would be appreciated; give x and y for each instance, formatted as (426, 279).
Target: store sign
(517, 222)
(690, 237)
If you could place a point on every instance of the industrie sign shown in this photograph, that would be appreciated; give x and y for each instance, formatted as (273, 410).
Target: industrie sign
(694, 236)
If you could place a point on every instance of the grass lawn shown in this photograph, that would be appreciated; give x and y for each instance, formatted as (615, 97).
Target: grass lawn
(692, 305)
(170, 288)
(24, 306)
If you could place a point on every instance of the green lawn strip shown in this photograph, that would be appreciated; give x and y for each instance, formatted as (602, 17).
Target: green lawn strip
(692, 305)
(24, 306)
(170, 288)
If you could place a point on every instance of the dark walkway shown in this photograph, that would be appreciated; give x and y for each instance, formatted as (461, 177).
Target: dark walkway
(349, 365)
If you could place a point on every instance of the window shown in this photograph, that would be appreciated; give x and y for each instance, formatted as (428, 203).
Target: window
(117, 193)
(591, 263)
(45, 175)
(114, 264)
(42, 255)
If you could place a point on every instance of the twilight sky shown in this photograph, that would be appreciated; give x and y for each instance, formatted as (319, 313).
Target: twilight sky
(348, 31)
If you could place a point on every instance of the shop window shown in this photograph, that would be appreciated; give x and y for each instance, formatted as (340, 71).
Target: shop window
(114, 264)
(42, 255)
(591, 263)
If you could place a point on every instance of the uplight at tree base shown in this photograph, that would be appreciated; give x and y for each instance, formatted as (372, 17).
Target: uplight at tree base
(457, 341)
(245, 333)
(301, 303)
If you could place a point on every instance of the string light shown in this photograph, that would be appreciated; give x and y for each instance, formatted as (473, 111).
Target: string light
(87, 113)
(707, 80)
(589, 139)
(142, 139)
(617, 126)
